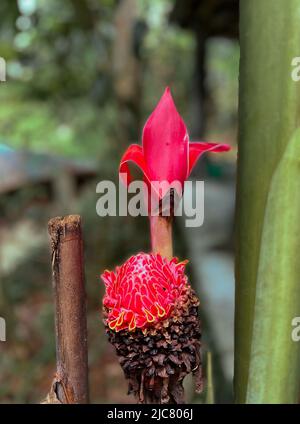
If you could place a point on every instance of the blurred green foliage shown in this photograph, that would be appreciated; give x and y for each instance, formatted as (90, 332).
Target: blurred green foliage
(60, 97)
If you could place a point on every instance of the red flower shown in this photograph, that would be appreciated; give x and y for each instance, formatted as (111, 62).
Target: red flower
(167, 154)
(142, 291)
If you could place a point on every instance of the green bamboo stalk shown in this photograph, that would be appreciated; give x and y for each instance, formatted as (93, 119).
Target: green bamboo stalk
(269, 114)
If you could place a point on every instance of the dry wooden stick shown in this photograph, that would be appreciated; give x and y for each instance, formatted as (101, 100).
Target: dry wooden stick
(71, 381)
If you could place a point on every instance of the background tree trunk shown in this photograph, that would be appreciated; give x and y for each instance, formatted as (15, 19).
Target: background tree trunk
(127, 75)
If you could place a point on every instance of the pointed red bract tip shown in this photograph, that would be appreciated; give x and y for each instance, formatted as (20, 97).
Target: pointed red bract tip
(166, 155)
(142, 291)
(165, 142)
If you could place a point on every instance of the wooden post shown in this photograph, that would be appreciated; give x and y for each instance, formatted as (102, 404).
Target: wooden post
(71, 381)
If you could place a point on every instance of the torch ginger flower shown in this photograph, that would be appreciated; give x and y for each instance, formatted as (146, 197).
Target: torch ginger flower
(142, 291)
(150, 309)
(166, 155)
(150, 299)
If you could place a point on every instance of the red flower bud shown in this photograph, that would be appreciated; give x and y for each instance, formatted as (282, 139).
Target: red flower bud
(166, 154)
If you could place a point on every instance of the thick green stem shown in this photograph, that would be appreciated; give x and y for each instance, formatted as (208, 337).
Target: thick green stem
(269, 115)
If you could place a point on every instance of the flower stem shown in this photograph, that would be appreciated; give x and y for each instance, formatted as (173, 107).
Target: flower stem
(161, 235)
(210, 393)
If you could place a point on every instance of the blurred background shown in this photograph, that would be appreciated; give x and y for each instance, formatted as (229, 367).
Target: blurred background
(81, 78)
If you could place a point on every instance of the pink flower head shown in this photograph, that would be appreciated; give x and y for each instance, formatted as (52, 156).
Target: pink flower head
(166, 153)
(142, 291)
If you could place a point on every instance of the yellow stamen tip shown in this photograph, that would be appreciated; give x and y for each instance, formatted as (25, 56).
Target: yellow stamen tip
(132, 324)
(149, 316)
(160, 310)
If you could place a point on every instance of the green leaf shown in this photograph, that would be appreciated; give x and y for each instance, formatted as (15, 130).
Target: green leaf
(275, 358)
(269, 107)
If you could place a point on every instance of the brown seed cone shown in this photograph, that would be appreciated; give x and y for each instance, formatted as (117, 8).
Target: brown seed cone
(156, 360)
